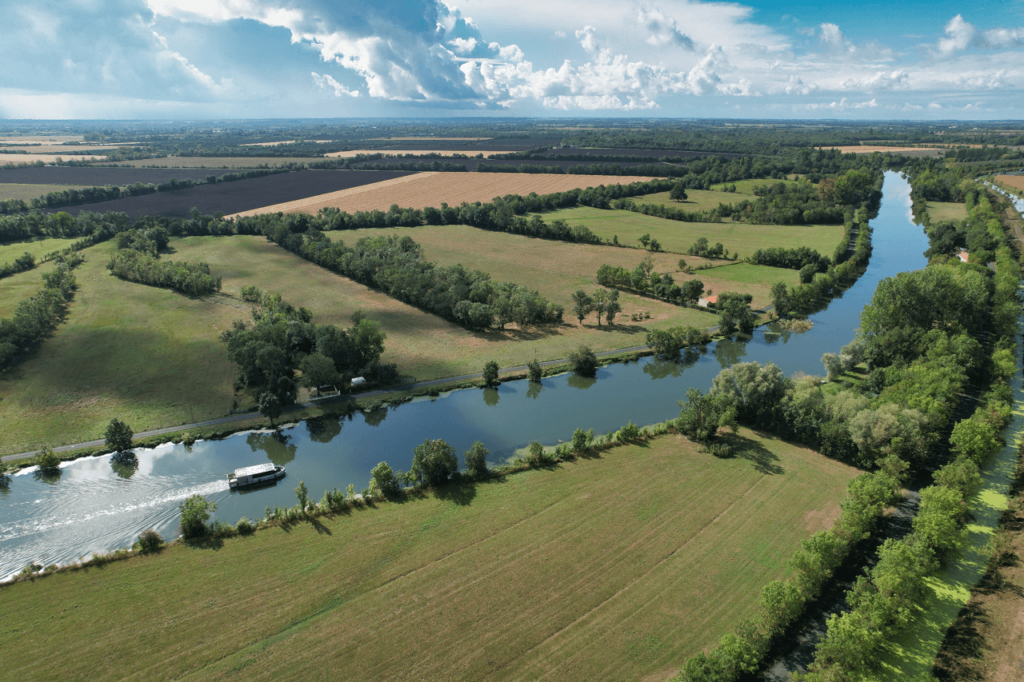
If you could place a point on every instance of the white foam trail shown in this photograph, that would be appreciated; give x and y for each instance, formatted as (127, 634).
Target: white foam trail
(18, 530)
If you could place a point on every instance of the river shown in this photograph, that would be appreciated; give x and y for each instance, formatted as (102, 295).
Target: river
(95, 506)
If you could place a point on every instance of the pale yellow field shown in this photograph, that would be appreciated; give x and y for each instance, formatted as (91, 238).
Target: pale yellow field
(399, 152)
(57, 149)
(870, 149)
(433, 189)
(47, 158)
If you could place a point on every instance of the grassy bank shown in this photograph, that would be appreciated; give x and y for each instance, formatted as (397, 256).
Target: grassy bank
(612, 567)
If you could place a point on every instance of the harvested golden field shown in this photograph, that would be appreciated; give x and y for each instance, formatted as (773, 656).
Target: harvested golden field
(433, 189)
(47, 158)
(613, 567)
(70, 149)
(1015, 182)
(870, 149)
(419, 152)
(557, 269)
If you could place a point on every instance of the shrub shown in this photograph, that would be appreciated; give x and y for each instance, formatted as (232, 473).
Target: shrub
(385, 479)
(536, 451)
(433, 462)
(583, 361)
(582, 440)
(47, 460)
(627, 433)
(119, 436)
(534, 371)
(195, 513)
(491, 373)
(244, 526)
(476, 459)
(150, 541)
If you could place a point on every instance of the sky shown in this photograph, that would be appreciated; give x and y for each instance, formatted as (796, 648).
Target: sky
(202, 59)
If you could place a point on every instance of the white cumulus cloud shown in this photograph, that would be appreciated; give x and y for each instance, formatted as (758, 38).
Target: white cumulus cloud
(327, 82)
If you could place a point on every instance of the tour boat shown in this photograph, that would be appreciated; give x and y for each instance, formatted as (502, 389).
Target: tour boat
(254, 475)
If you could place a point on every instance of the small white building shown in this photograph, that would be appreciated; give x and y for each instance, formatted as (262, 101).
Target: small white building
(358, 380)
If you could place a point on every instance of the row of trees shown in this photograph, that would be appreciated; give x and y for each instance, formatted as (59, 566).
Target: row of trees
(36, 317)
(602, 302)
(191, 279)
(25, 261)
(644, 280)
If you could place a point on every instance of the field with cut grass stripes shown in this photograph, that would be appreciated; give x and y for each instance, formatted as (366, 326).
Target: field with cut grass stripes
(616, 567)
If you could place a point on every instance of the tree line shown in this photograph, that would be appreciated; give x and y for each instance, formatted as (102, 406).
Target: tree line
(137, 260)
(36, 317)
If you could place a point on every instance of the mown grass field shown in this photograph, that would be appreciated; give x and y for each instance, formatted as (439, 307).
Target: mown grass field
(10, 190)
(153, 357)
(747, 273)
(705, 200)
(37, 247)
(677, 237)
(20, 286)
(946, 210)
(616, 567)
(557, 269)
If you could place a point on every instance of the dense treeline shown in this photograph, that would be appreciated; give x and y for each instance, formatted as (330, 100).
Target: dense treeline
(922, 338)
(397, 267)
(25, 261)
(282, 340)
(39, 315)
(645, 281)
(137, 260)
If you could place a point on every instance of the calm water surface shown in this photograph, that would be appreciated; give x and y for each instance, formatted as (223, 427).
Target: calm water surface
(93, 505)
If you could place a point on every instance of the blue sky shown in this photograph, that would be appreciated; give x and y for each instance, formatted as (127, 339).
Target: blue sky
(127, 59)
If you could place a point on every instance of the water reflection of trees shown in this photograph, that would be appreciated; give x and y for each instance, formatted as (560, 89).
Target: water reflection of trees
(658, 368)
(375, 417)
(491, 397)
(124, 464)
(50, 476)
(278, 447)
(577, 381)
(730, 351)
(324, 429)
(534, 390)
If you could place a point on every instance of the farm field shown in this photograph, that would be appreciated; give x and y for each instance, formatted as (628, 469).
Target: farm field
(652, 154)
(565, 573)
(10, 190)
(398, 152)
(20, 286)
(677, 236)
(54, 148)
(748, 273)
(946, 210)
(47, 158)
(556, 269)
(217, 161)
(93, 176)
(471, 164)
(433, 189)
(1014, 182)
(37, 247)
(704, 200)
(906, 151)
(239, 195)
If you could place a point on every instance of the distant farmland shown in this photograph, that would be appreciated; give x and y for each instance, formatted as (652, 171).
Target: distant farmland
(239, 195)
(92, 176)
(432, 189)
(217, 161)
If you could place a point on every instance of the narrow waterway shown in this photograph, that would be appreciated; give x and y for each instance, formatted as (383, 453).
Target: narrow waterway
(94, 505)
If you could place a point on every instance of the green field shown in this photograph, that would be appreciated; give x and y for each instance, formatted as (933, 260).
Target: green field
(747, 273)
(677, 236)
(38, 247)
(616, 567)
(10, 190)
(20, 286)
(946, 210)
(705, 200)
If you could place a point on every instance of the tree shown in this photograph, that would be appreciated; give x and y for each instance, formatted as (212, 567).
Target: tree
(780, 298)
(491, 373)
(195, 512)
(476, 459)
(647, 265)
(47, 459)
(833, 366)
(318, 370)
(582, 305)
(702, 415)
(781, 603)
(683, 267)
(581, 440)
(600, 303)
(270, 406)
(678, 192)
(655, 245)
(385, 479)
(302, 493)
(735, 314)
(583, 361)
(807, 273)
(119, 436)
(434, 462)
(612, 307)
(644, 240)
(534, 371)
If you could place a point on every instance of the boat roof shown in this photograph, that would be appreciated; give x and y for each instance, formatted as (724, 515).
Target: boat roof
(254, 470)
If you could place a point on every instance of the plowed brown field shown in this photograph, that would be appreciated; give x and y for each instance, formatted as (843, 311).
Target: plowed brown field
(400, 152)
(1012, 181)
(431, 189)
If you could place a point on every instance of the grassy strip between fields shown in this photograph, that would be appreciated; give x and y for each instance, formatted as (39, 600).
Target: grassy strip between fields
(615, 565)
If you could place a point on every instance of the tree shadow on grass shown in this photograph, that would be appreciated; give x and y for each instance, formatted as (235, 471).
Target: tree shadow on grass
(319, 526)
(214, 542)
(763, 459)
(461, 494)
(963, 649)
